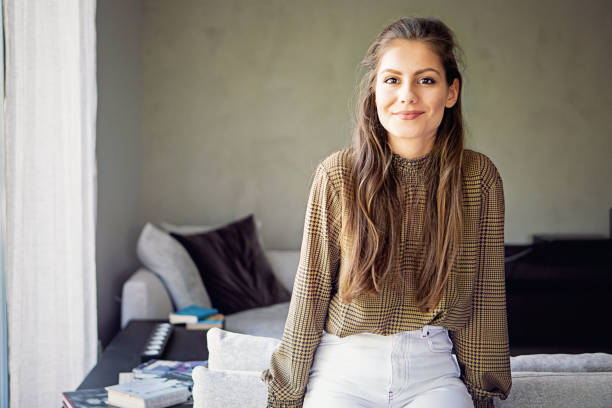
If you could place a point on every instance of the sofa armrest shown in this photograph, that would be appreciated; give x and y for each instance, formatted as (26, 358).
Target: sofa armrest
(144, 296)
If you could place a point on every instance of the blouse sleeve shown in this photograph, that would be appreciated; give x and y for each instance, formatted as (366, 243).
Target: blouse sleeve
(482, 346)
(319, 260)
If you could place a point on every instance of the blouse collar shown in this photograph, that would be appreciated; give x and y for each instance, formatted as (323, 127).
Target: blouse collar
(410, 170)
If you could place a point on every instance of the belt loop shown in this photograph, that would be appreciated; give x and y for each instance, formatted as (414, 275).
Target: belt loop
(425, 331)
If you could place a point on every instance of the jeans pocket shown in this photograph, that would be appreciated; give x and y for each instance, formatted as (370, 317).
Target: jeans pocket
(440, 342)
(456, 365)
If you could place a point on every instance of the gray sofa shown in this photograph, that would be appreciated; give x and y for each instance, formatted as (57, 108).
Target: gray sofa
(539, 380)
(144, 296)
(166, 281)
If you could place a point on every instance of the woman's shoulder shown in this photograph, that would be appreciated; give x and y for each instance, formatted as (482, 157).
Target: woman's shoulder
(335, 167)
(478, 168)
(337, 159)
(337, 164)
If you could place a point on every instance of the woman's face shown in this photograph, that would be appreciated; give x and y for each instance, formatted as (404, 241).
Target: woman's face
(410, 77)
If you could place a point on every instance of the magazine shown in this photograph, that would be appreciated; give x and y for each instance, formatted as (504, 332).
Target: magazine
(168, 369)
(88, 398)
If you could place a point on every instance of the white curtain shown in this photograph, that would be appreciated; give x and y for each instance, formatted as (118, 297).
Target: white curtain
(50, 197)
(3, 314)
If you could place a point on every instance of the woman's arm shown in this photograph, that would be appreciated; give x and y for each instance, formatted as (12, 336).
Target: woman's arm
(319, 259)
(482, 346)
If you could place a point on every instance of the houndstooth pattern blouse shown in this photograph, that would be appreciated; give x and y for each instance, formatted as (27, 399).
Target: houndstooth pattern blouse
(473, 308)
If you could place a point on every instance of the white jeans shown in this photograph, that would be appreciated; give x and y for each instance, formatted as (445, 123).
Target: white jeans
(411, 369)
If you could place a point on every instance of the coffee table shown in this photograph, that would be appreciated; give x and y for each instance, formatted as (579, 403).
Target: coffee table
(123, 352)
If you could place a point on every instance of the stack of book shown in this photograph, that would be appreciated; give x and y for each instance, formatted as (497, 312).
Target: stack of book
(154, 384)
(148, 393)
(197, 318)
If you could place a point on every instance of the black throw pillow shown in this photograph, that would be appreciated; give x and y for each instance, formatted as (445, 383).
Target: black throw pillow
(233, 267)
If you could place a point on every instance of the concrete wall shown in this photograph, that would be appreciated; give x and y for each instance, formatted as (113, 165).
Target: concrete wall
(241, 99)
(118, 154)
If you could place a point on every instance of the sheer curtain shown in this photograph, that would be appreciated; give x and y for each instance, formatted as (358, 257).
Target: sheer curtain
(4, 388)
(50, 190)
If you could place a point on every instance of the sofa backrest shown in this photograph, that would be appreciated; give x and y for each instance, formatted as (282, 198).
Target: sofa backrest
(284, 264)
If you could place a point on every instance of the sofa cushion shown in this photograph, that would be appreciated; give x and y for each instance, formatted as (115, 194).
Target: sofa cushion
(226, 388)
(233, 267)
(168, 259)
(585, 362)
(236, 360)
(267, 321)
(553, 390)
(284, 263)
(234, 351)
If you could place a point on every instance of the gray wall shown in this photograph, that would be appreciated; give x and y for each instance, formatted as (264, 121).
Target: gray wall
(241, 99)
(118, 154)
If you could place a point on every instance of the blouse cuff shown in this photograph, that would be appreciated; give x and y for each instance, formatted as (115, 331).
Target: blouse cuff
(274, 402)
(266, 376)
(483, 403)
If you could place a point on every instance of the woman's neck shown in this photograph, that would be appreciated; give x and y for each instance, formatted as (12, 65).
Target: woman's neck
(409, 148)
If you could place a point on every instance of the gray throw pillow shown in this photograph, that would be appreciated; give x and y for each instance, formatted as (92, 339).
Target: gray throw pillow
(168, 259)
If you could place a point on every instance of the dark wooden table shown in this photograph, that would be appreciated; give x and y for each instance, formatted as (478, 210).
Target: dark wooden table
(123, 352)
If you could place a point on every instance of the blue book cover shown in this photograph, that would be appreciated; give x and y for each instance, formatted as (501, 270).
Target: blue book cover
(191, 314)
(197, 311)
(210, 321)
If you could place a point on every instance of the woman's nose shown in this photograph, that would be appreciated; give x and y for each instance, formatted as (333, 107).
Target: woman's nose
(407, 93)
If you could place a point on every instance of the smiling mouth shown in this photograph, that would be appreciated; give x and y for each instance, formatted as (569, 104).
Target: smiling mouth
(408, 116)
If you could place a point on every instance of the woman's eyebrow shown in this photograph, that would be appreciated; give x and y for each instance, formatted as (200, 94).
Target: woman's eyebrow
(420, 71)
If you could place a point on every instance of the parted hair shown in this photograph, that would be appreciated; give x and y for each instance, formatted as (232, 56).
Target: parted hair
(374, 215)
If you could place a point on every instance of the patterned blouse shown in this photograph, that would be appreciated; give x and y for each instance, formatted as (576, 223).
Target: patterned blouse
(473, 307)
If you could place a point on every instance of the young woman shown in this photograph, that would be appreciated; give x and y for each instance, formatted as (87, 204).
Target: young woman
(402, 256)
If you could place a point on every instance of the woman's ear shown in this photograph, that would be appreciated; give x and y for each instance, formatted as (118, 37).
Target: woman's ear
(453, 94)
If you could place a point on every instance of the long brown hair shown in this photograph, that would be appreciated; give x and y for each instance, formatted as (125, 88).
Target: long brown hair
(374, 218)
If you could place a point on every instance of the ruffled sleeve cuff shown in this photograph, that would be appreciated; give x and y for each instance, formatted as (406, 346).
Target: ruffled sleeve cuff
(274, 402)
(483, 403)
(266, 376)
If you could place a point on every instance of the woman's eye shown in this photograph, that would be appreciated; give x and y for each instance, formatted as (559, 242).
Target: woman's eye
(428, 81)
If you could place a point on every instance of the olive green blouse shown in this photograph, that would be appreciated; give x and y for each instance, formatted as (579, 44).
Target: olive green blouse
(473, 307)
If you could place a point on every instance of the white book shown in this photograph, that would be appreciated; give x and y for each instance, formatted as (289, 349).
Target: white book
(126, 377)
(148, 393)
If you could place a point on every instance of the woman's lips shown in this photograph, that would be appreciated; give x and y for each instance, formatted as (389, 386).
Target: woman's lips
(408, 116)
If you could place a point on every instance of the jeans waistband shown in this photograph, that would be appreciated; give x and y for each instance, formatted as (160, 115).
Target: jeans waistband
(428, 330)
(423, 332)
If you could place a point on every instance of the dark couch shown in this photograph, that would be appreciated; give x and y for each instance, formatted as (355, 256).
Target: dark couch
(559, 294)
